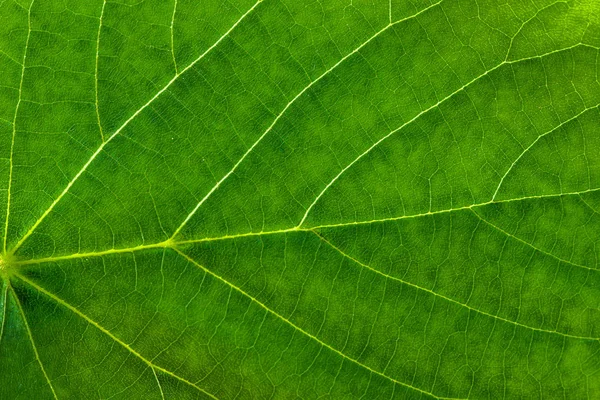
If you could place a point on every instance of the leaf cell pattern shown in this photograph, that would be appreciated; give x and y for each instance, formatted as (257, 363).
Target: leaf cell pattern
(285, 199)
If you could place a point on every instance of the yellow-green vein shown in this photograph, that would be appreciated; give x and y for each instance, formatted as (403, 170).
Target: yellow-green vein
(35, 351)
(14, 126)
(125, 124)
(297, 328)
(476, 310)
(108, 333)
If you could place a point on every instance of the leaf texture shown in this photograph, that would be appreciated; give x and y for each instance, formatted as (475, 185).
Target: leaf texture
(282, 199)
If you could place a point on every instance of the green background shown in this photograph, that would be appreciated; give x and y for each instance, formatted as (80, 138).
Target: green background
(299, 199)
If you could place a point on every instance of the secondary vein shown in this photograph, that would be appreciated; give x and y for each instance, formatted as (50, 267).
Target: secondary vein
(283, 111)
(107, 332)
(416, 117)
(35, 351)
(496, 227)
(420, 288)
(297, 328)
(120, 129)
(14, 126)
(528, 148)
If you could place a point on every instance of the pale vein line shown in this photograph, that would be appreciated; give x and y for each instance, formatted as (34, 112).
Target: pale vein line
(376, 221)
(449, 210)
(99, 150)
(448, 298)
(172, 35)
(166, 243)
(162, 394)
(174, 243)
(283, 111)
(14, 124)
(524, 24)
(526, 150)
(108, 333)
(37, 356)
(496, 227)
(272, 312)
(4, 306)
(96, 70)
(434, 106)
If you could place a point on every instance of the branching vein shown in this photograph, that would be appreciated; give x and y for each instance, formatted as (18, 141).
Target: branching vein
(297, 328)
(109, 334)
(526, 150)
(283, 111)
(496, 227)
(33, 346)
(416, 117)
(476, 310)
(14, 125)
(172, 243)
(120, 129)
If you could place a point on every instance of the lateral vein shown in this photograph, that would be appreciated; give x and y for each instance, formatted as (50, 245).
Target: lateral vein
(413, 119)
(476, 310)
(297, 328)
(529, 244)
(120, 129)
(35, 351)
(526, 150)
(14, 126)
(108, 333)
(283, 111)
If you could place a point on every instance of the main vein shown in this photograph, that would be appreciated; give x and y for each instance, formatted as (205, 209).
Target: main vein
(14, 126)
(120, 129)
(172, 243)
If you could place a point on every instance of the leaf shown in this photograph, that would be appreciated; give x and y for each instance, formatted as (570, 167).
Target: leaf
(281, 199)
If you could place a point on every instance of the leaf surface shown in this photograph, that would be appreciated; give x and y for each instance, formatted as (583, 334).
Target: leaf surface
(283, 199)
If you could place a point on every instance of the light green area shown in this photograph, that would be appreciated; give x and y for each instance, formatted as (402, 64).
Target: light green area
(287, 199)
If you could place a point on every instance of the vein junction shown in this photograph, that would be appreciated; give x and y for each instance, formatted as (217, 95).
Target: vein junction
(174, 243)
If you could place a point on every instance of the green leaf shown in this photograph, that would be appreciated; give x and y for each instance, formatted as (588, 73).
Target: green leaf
(283, 199)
